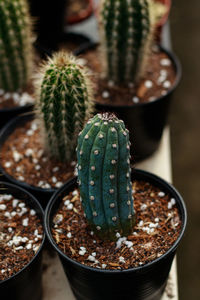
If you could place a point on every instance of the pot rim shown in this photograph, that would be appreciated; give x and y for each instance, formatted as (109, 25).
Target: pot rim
(174, 59)
(44, 233)
(3, 133)
(147, 175)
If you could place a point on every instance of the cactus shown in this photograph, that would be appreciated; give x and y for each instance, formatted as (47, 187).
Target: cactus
(15, 45)
(64, 103)
(126, 30)
(104, 176)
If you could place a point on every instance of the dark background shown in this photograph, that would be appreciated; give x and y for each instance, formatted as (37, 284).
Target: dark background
(185, 139)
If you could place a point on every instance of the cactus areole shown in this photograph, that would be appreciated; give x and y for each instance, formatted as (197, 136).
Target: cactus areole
(126, 32)
(15, 45)
(64, 103)
(104, 176)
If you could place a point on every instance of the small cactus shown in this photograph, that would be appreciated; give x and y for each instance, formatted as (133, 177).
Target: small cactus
(104, 176)
(126, 30)
(15, 45)
(64, 103)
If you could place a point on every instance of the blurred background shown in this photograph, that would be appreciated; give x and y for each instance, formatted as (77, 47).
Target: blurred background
(185, 139)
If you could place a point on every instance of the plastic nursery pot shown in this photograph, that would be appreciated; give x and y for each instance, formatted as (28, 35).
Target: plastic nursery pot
(74, 39)
(6, 114)
(49, 21)
(163, 20)
(145, 121)
(142, 283)
(82, 15)
(43, 195)
(27, 283)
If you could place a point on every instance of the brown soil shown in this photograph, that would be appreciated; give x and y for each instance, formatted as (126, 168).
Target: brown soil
(10, 100)
(21, 235)
(158, 226)
(23, 157)
(76, 6)
(160, 77)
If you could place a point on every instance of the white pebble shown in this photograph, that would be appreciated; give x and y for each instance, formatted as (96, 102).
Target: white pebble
(165, 62)
(70, 206)
(148, 84)
(28, 246)
(161, 194)
(105, 94)
(69, 235)
(135, 99)
(67, 202)
(32, 212)
(21, 178)
(91, 258)
(94, 254)
(55, 169)
(58, 184)
(7, 214)
(17, 156)
(121, 259)
(25, 222)
(74, 193)
(2, 206)
(8, 164)
(167, 84)
(103, 266)
(143, 206)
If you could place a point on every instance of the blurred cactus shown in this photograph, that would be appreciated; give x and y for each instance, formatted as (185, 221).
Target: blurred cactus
(126, 30)
(105, 176)
(64, 102)
(15, 45)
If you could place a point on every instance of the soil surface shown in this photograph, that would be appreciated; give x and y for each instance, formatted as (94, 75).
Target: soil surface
(159, 78)
(158, 226)
(10, 100)
(23, 157)
(74, 7)
(21, 235)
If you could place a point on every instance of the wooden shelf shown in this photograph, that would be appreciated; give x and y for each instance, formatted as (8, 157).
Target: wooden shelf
(55, 283)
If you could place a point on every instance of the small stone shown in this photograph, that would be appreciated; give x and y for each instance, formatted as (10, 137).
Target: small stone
(167, 84)
(25, 222)
(121, 259)
(105, 94)
(37, 167)
(58, 184)
(17, 156)
(161, 194)
(165, 62)
(32, 212)
(21, 178)
(135, 99)
(55, 169)
(143, 206)
(148, 84)
(69, 235)
(2, 206)
(91, 258)
(70, 206)
(8, 164)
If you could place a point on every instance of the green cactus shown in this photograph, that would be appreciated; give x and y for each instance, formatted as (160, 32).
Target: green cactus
(15, 45)
(126, 30)
(64, 96)
(104, 175)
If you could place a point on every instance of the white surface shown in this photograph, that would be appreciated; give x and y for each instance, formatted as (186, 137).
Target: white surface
(55, 283)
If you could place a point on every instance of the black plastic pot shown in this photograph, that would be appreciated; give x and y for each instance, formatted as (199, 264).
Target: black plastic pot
(27, 283)
(43, 195)
(141, 283)
(145, 121)
(48, 21)
(7, 114)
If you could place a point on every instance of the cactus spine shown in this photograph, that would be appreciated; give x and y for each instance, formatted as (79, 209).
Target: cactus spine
(15, 45)
(104, 175)
(127, 35)
(64, 103)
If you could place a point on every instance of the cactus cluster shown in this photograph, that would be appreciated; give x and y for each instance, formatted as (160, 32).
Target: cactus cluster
(64, 96)
(126, 30)
(15, 45)
(104, 176)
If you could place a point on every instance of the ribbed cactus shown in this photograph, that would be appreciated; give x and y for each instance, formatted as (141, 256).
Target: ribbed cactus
(126, 27)
(64, 103)
(104, 176)
(15, 45)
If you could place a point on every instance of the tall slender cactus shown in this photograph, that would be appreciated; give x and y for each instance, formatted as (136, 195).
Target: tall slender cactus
(126, 30)
(64, 103)
(15, 45)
